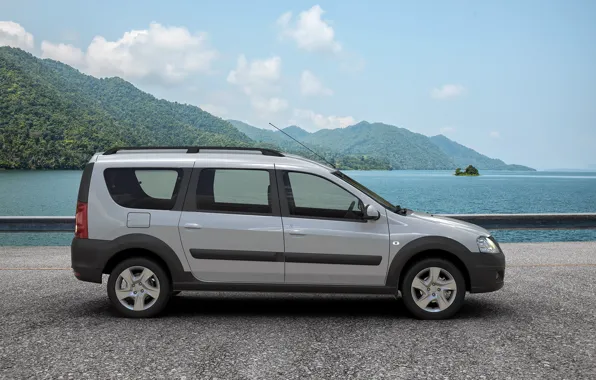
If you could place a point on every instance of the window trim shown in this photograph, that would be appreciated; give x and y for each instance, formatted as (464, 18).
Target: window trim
(190, 201)
(184, 180)
(285, 207)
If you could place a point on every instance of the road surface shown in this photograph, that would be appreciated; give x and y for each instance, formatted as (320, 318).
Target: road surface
(539, 326)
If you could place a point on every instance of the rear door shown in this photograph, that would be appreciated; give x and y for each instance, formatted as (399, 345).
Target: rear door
(326, 240)
(231, 225)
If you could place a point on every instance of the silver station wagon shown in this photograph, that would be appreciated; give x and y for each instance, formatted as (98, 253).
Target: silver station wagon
(160, 220)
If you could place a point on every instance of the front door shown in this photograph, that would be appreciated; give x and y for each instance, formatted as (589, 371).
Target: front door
(231, 226)
(326, 240)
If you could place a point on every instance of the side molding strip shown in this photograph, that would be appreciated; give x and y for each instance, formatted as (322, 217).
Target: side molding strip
(216, 254)
(328, 258)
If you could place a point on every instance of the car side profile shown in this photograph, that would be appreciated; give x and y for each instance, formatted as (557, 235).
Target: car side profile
(160, 220)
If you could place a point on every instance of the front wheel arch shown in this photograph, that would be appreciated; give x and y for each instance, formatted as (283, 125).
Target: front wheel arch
(434, 254)
(428, 247)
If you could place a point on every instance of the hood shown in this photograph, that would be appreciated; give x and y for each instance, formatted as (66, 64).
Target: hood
(449, 222)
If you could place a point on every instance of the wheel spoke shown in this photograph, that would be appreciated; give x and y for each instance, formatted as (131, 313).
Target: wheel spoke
(424, 301)
(139, 302)
(434, 274)
(128, 277)
(418, 284)
(441, 301)
(448, 285)
(151, 291)
(146, 276)
(123, 293)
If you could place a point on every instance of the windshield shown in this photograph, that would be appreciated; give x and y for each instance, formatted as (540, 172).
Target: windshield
(365, 190)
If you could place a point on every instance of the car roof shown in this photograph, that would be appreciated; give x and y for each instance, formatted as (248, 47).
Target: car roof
(281, 160)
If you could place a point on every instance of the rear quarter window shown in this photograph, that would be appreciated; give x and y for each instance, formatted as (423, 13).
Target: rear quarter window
(143, 188)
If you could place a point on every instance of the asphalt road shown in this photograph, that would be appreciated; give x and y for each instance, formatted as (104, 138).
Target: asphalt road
(541, 325)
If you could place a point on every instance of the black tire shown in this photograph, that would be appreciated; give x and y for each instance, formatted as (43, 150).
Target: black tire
(164, 288)
(408, 298)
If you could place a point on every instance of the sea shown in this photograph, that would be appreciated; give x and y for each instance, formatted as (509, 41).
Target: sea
(53, 193)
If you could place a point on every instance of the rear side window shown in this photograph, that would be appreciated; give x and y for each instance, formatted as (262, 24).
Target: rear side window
(234, 190)
(139, 188)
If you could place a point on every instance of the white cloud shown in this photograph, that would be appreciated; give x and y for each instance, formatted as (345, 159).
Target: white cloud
(14, 35)
(257, 76)
(213, 109)
(309, 31)
(259, 80)
(311, 85)
(159, 54)
(268, 106)
(62, 52)
(495, 134)
(447, 91)
(447, 129)
(309, 117)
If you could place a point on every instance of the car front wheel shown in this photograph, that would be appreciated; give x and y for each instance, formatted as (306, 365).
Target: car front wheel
(433, 289)
(139, 288)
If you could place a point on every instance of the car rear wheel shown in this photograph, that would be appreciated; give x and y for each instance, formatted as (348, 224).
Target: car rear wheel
(139, 288)
(433, 289)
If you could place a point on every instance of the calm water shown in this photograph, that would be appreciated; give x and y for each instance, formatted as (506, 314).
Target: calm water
(54, 193)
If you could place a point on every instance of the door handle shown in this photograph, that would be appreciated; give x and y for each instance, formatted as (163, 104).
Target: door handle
(193, 226)
(296, 233)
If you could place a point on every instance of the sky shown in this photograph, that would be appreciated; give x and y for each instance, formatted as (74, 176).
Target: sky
(515, 80)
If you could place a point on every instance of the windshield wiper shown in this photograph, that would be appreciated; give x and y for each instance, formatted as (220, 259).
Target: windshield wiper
(400, 210)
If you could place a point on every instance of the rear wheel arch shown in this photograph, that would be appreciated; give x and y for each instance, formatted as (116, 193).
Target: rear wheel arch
(424, 248)
(135, 252)
(147, 246)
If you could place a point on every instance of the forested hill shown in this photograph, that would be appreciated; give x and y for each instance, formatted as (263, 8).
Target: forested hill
(402, 148)
(464, 156)
(53, 116)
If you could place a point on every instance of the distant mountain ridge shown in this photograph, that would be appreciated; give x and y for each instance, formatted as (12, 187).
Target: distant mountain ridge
(54, 117)
(464, 156)
(402, 148)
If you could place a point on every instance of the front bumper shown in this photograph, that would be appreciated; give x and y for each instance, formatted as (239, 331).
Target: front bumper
(487, 272)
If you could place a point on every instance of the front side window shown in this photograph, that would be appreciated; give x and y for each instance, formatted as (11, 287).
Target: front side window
(313, 196)
(234, 190)
(152, 189)
(385, 203)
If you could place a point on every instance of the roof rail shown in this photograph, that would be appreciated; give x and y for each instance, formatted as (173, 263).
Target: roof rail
(195, 149)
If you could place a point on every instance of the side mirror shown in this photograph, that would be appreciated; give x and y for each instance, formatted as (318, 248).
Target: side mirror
(371, 213)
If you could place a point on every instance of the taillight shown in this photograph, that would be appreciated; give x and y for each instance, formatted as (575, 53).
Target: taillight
(81, 230)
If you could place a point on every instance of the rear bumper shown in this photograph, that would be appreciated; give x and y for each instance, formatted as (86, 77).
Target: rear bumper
(487, 272)
(87, 260)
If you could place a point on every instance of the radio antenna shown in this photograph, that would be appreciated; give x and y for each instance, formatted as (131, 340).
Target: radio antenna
(312, 151)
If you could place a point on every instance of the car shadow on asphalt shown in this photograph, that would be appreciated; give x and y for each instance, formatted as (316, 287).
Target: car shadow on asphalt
(198, 305)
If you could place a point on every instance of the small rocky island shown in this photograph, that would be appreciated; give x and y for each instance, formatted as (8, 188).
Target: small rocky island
(470, 171)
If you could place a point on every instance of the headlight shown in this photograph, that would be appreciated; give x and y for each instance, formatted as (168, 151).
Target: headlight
(486, 245)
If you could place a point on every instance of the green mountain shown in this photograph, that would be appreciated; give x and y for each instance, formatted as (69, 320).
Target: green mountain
(278, 140)
(401, 148)
(52, 116)
(464, 156)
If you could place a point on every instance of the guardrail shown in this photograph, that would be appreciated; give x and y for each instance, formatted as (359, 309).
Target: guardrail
(488, 221)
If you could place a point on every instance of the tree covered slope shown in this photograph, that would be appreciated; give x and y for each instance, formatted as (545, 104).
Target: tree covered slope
(399, 147)
(53, 116)
(464, 156)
